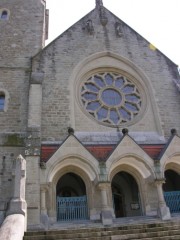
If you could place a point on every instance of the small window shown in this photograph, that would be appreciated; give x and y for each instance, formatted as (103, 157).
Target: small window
(2, 102)
(4, 15)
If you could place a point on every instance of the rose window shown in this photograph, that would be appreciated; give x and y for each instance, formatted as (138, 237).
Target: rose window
(111, 98)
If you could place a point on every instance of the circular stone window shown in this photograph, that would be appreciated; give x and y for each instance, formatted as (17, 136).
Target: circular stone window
(112, 99)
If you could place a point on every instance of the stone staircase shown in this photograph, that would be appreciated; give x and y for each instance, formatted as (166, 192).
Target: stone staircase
(153, 230)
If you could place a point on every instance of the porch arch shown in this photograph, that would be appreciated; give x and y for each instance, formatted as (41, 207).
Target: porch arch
(172, 180)
(171, 188)
(171, 163)
(138, 178)
(71, 161)
(71, 198)
(125, 194)
(52, 192)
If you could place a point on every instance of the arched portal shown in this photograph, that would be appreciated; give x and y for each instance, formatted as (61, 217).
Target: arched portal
(71, 198)
(172, 181)
(172, 190)
(125, 193)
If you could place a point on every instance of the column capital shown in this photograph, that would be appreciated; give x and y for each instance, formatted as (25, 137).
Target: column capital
(104, 185)
(160, 181)
(44, 187)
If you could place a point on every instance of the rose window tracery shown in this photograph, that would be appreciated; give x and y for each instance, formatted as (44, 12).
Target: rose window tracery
(111, 98)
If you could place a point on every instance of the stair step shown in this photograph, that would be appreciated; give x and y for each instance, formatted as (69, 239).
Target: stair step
(148, 227)
(146, 231)
(111, 235)
(103, 232)
(177, 237)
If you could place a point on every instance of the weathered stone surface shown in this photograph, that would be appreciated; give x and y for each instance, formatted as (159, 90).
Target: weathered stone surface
(13, 227)
(43, 91)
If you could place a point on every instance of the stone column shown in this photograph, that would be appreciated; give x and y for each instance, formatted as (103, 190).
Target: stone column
(44, 215)
(104, 201)
(43, 201)
(163, 210)
(35, 100)
(33, 149)
(106, 214)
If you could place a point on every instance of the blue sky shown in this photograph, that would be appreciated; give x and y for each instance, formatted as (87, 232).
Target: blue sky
(157, 20)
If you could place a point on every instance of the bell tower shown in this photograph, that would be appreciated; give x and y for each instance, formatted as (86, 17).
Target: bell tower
(23, 31)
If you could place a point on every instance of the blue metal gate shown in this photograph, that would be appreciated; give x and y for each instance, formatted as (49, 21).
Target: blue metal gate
(173, 201)
(72, 208)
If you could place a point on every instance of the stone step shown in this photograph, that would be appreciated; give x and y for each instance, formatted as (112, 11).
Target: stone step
(141, 234)
(177, 237)
(157, 230)
(132, 227)
(144, 235)
(116, 230)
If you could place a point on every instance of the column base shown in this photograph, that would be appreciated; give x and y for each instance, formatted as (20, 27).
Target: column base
(17, 206)
(106, 217)
(164, 213)
(45, 220)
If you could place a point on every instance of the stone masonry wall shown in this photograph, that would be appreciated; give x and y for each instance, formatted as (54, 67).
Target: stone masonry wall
(22, 34)
(59, 59)
(16, 83)
(7, 161)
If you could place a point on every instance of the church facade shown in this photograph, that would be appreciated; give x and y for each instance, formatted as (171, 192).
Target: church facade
(95, 114)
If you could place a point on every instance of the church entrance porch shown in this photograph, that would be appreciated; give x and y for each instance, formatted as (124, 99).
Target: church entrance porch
(125, 195)
(172, 191)
(71, 198)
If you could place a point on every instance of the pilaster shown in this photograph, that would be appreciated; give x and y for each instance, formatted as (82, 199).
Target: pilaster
(163, 210)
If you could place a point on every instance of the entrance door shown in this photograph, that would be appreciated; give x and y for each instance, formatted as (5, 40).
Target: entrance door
(72, 208)
(172, 191)
(71, 198)
(118, 205)
(125, 194)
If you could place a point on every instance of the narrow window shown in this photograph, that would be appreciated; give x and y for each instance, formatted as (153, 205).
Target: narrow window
(2, 101)
(4, 15)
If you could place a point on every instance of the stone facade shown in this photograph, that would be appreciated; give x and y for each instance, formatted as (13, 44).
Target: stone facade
(45, 119)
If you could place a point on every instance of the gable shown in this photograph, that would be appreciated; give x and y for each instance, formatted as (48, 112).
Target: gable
(87, 38)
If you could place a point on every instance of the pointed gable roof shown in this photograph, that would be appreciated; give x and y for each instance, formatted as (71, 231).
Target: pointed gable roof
(102, 11)
(171, 149)
(72, 152)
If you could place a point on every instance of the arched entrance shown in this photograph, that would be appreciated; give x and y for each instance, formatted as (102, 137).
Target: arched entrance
(125, 195)
(172, 190)
(71, 198)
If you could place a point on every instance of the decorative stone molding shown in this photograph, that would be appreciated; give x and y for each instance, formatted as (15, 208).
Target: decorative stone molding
(89, 27)
(118, 29)
(163, 210)
(158, 172)
(42, 165)
(106, 214)
(103, 177)
(112, 98)
(18, 204)
(70, 131)
(33, 142)
(102, 14)
(37, 77)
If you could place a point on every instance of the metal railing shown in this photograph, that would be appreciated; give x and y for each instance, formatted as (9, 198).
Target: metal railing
(173, 201)
(72, 208)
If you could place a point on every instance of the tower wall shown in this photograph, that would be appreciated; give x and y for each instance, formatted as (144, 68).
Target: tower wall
(23, 32)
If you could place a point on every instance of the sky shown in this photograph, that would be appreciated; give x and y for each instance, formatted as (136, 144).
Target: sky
(158, 21)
